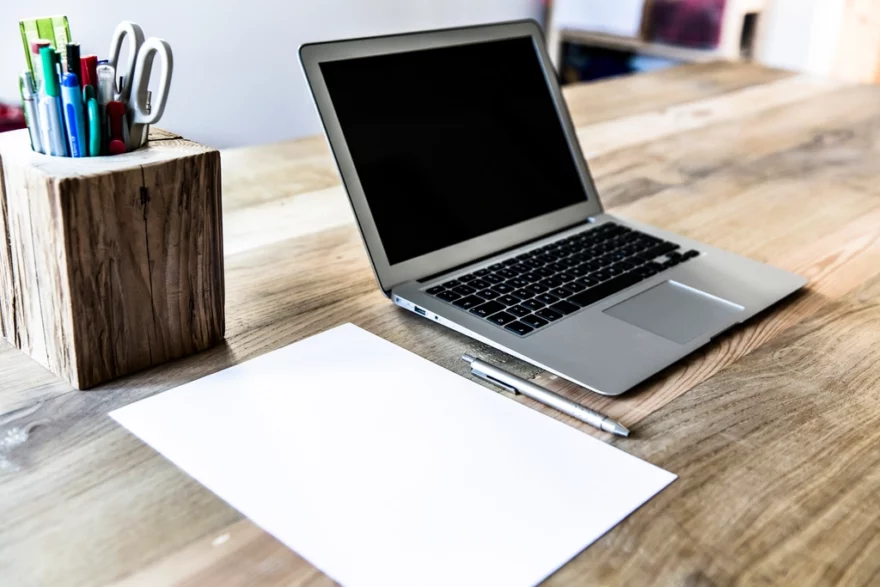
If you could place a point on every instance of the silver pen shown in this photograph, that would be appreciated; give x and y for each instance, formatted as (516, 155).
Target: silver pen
(514, 384)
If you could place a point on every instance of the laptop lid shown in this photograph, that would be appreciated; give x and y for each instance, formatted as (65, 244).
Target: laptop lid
(453, 145)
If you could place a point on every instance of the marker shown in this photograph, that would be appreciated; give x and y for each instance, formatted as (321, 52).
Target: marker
(30, 103)
(88, 93)
(51, 118)
(71, 97)
(106, 89)
(73, 61)
(37, 70)
(94, 116)
(89, 66)
(115, 114)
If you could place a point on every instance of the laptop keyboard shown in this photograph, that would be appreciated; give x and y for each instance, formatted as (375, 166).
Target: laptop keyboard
(535, 289)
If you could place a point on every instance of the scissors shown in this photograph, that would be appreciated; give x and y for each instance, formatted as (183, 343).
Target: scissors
(133, 89)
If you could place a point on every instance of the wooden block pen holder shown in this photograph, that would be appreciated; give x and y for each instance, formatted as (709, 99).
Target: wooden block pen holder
(110, 265)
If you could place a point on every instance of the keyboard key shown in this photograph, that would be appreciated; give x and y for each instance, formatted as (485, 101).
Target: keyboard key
(492, 278)
(522, 294)
(448, 296)
(506, 273)
(532, 304)
(532, 277)
(601, 275)
(524, 256)
(518, 282)
(502, 318)
(519, 328)
(658, 250)
(603, 290)
(649, 269)
(550, 282)
(464, 290)
(613, 270)
(467, 278)
(508, 300)
(503, 288)
(468, 302)
(564, 307)
(584, 281)
(481, 272)
(519, 311)
(479, 284)
(451, 284)
(532, 263)
(580, 271)
(690, 254)
(534, 321)
(434, 290)
(557, 267)
(536, 288)
(544, 272)
(509, 262)
(565, 277)
(562, 292)
(488, 294)
(577, 286)
(495, 267)
(548, 314)
(487, 309)
(547, 299)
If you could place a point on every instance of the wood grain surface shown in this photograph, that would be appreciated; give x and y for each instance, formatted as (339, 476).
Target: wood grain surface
(113, 264)
(772, 428)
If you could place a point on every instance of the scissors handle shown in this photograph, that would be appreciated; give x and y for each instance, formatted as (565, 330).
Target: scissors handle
(141, 111)
(135, 35)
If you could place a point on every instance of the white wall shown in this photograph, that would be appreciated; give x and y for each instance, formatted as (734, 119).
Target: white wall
(237, 79)
(800, 34)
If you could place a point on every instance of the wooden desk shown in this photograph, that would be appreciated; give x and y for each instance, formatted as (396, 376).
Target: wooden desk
(774, 429)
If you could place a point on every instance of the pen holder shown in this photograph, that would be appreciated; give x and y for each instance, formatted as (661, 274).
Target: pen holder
(109, 265)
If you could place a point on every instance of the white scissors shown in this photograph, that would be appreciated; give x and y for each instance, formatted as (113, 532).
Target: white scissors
(142, 109)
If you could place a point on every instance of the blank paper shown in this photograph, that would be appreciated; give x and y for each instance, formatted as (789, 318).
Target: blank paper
(382, 468)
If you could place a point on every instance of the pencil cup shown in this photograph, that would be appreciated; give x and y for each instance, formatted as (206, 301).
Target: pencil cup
(110, 265)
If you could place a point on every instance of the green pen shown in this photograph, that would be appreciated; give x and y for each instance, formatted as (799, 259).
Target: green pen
(94, 117)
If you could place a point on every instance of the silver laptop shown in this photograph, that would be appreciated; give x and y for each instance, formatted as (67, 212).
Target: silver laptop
(478, 210)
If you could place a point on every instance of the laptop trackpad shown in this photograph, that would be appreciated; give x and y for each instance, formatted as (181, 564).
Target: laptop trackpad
(676, 312)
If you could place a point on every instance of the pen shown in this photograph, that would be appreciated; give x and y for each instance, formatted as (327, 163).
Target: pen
(115, 137)
(29, 100)
(94, 118)
(51, 119)
(89, 67)
(37, 68)
(73, 61)
(514, 384)
(72, 99)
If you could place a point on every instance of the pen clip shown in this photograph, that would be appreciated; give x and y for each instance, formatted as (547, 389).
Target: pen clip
(493, 381)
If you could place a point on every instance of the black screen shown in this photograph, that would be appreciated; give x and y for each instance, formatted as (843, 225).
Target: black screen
(453, 143)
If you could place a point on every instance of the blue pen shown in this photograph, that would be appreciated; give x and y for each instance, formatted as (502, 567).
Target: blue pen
(71, 98)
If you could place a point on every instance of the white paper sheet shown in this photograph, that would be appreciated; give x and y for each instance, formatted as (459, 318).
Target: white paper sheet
(382, 468)
(615, 17)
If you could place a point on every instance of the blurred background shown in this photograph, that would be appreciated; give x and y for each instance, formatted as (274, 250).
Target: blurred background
(237, 80)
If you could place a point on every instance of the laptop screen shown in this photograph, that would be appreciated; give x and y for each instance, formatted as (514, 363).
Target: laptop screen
(453, 143)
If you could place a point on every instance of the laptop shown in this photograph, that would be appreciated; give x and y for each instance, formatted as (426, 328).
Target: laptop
(478, 210)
